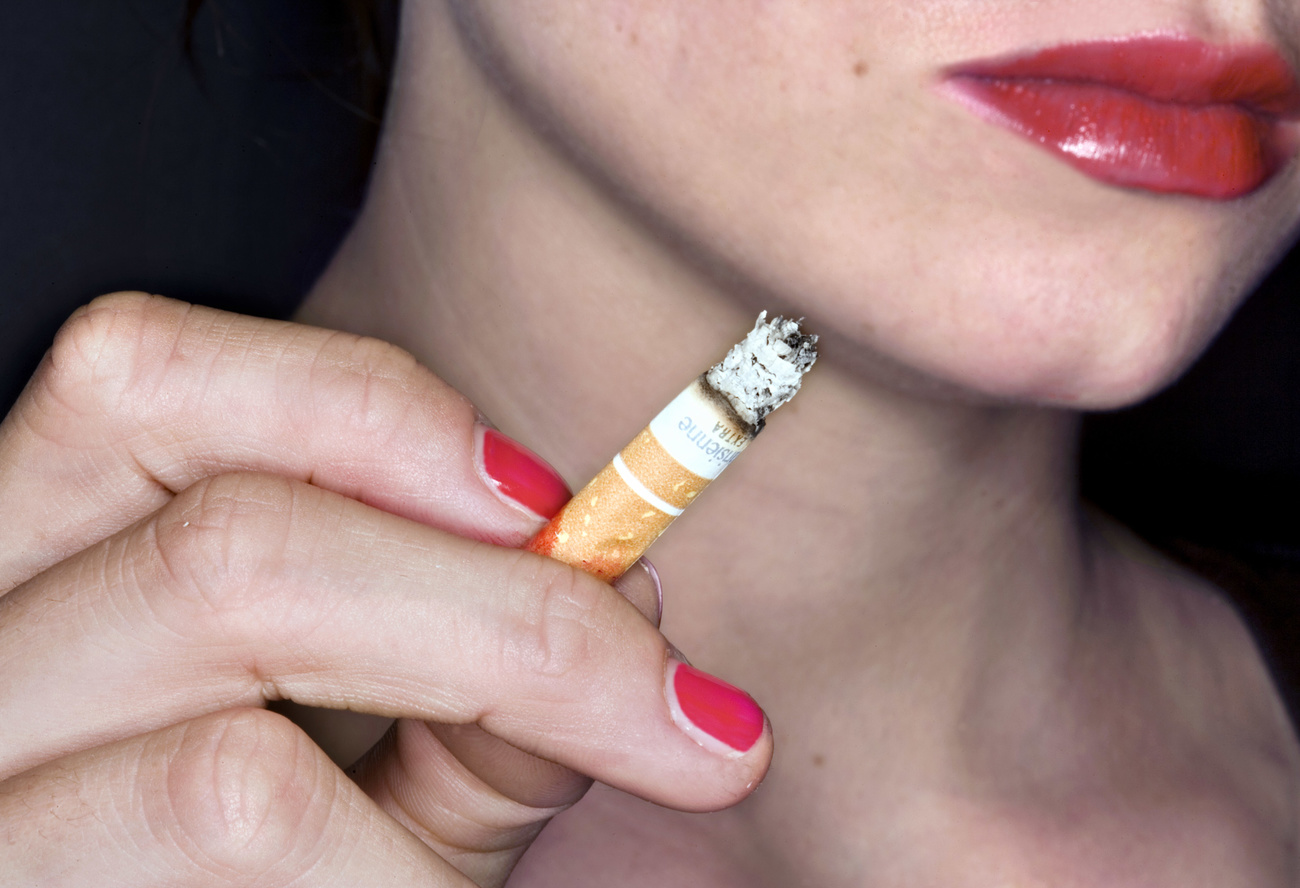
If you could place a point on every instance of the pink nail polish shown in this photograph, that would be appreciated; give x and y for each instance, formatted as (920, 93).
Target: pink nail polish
(521, 475)
(721, 718)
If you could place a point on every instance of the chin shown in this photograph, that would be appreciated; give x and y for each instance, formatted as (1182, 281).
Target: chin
(1095, 343)
(1103, 380)
(1108, 373)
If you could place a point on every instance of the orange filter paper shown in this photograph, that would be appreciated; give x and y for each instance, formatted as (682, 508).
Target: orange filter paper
(607, 526)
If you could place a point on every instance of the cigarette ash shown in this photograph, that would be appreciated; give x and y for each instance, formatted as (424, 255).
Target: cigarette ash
(764, 371)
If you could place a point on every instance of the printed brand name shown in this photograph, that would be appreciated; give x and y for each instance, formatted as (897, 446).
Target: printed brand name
(724, 450)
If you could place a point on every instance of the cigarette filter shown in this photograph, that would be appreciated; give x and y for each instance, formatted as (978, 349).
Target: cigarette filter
(606, 527)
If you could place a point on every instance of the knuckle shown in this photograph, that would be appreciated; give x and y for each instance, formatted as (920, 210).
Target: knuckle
(557, 612)
(219, 545)
(98, 352)
(377, 385)
(247, 793)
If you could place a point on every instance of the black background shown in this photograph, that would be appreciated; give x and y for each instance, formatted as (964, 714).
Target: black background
(226, 175)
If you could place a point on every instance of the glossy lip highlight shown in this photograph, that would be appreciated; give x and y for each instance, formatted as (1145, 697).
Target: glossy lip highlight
(1153, 112)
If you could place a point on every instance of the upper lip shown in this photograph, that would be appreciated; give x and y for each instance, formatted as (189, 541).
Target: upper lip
(1161, 68)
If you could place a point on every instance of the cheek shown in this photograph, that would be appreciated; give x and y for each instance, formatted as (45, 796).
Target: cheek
(612, 72)
(727, 121)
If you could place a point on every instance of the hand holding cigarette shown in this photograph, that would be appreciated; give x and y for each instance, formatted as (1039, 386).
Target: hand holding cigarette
(203, 512)
(606, 527)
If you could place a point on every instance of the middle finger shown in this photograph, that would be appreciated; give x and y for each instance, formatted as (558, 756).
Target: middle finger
(247, 588)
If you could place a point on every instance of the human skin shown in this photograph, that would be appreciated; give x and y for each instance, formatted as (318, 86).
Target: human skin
(576, 208)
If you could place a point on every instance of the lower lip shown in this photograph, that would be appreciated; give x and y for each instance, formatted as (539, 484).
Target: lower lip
(1216, 151)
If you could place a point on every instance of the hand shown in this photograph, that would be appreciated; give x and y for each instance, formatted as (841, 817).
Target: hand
(202, 512)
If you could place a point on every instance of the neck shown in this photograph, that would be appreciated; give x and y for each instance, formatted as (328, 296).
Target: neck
(868, 505)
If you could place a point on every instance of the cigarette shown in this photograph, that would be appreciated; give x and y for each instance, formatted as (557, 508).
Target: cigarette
(610, 523)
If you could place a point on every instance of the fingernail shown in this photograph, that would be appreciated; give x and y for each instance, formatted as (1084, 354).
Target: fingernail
(719, 717)
(520, 476)
(640, 585)
(649, 567)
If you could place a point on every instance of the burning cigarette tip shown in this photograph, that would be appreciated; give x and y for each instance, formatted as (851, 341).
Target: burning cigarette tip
(764, 370)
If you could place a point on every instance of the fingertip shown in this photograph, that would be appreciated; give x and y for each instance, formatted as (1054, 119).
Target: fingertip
(518, 477)
(718, 716)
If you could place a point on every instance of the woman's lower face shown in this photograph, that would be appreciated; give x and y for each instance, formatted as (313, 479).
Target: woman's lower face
(1054, 201)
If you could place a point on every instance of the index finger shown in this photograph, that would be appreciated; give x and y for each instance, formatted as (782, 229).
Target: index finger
(141, 396)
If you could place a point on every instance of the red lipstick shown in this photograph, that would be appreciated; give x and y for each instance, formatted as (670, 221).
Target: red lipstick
(1158, 113)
